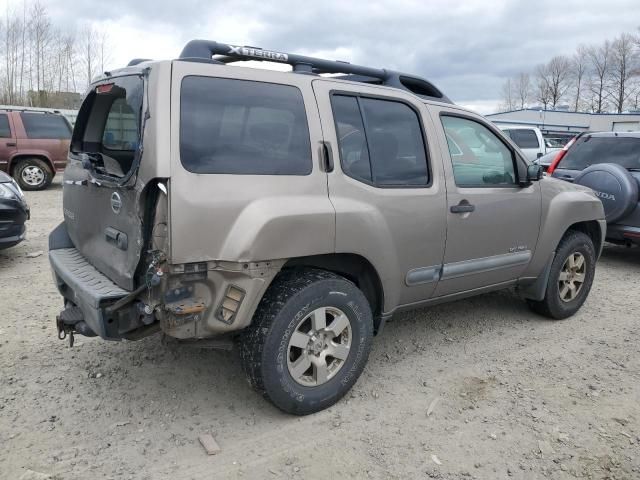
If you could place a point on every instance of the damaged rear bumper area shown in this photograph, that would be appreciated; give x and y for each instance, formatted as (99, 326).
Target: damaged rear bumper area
(94, 304)
(185, 301)
(88, 295)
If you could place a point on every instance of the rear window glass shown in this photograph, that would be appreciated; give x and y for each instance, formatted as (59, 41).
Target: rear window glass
(243, 127)
(121, 129)
(524, 138)
(5, 131)
(588, 150)
(42, 125)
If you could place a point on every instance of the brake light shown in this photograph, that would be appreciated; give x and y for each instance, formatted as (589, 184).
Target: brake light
(104, 88)
(561, 155)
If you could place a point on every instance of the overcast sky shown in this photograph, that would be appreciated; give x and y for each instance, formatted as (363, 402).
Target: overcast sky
(467, 48)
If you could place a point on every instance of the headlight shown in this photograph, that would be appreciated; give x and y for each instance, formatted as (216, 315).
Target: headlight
(8, 191)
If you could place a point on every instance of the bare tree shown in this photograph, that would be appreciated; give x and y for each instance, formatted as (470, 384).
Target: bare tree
(523, 89)
(103, 50)
(599, 60)
(12, 35)
(559, 73)
(542, 86)
(579, 64)
(88, 52)
(23, 48)
(624, 66)
(41, 35)
(508, 96)
(634, 95)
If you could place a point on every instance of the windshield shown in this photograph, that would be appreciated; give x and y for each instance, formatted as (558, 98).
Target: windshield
(108, 125)
(590, 150)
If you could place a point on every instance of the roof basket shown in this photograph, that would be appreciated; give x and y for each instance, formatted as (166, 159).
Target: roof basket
(199, 50)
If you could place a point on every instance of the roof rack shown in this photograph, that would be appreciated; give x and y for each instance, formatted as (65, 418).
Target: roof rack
(210, 51)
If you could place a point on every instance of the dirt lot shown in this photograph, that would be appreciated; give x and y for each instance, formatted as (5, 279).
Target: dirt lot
(512, 395)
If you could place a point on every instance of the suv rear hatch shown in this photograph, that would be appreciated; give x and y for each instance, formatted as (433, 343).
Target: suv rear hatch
(101, 199)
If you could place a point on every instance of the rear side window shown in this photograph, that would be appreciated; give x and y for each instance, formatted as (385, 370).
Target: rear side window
(243, 127)
(588, 150)
(42, 125)
(524, 138)
(380, 141)
(5, 131)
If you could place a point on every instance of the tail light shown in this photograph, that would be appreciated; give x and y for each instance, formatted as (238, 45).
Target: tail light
(104, 88)
(561, 155)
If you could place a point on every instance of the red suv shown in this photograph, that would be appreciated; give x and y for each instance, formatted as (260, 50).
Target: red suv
(33, 145)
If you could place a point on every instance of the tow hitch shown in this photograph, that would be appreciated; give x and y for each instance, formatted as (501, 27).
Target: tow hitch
(71, 320)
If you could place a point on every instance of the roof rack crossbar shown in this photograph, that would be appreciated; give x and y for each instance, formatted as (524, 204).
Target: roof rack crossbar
(224, 53)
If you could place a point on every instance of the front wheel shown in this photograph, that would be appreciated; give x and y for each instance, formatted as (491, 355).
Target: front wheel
(309, 340)
(570, 277)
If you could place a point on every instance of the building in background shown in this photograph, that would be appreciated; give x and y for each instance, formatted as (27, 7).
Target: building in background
(562, 125)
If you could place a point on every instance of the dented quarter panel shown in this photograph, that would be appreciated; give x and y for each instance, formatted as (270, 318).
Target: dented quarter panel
(243, 218)
(253, 279)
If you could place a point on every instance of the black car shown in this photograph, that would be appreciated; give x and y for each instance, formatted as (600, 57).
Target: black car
(14, 212)
(608, 163)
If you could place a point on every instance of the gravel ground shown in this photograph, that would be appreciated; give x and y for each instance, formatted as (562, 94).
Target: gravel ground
(481, 388)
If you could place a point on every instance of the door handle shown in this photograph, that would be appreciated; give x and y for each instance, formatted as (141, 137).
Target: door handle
(327, 156)
(462, 207)
(11, 144)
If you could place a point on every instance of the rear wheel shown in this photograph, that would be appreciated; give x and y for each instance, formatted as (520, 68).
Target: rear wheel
(33, 174)
(570, 277)
(309, 340)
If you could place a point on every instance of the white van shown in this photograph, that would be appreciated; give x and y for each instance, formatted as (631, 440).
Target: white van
(529, 139)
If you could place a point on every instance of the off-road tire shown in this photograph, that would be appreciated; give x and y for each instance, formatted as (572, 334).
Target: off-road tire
(264, 345)
(552, 306)
(34, 163)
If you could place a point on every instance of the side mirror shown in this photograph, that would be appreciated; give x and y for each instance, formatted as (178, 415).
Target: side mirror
(534, 172)
(539, 155)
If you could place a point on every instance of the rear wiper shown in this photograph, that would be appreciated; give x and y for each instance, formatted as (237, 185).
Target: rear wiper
(634, 169)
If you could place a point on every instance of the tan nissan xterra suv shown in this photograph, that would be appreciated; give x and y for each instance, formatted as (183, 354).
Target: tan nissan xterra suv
(294, 213)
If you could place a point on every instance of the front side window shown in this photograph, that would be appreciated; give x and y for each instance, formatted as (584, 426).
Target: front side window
(524, 138)
(243, 127)
(45, 126)
(5, 131)
(380, 141)
(479, 157)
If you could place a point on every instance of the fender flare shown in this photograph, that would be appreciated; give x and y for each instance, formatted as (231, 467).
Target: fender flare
(19, 155)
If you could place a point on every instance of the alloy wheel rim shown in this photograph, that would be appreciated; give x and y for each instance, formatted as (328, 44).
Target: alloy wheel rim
(32, 175)
(319, 346)
(572, 277)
